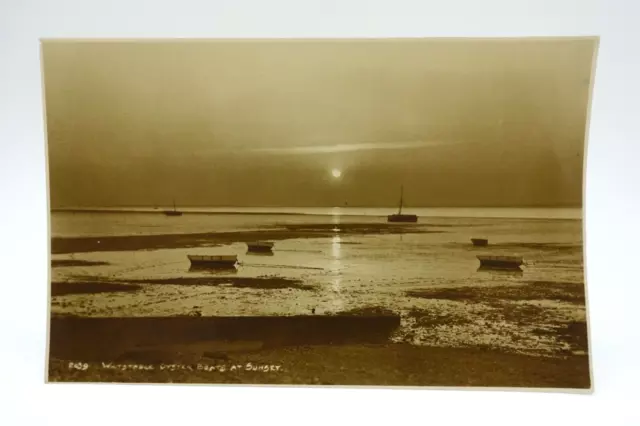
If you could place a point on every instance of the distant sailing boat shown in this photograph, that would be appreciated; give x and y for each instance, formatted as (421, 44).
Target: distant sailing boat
(173, 212)
(399, 217)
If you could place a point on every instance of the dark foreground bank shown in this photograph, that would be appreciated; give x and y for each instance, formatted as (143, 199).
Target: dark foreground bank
(300, 350)
(142, 338)
(356, 365)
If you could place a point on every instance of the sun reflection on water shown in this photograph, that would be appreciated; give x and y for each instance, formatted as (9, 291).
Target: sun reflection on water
(336, 214)
(336, 266)
(336, 246)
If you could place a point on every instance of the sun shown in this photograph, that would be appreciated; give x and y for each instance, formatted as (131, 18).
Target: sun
(336, 173)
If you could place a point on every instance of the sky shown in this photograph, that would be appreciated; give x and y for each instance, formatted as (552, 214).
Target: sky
(458, 123)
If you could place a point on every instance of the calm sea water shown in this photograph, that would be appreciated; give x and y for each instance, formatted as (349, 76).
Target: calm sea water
(347, 271)
(144, 221)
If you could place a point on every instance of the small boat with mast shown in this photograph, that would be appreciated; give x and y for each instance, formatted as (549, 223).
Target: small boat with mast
(399, 217)
(173, 212)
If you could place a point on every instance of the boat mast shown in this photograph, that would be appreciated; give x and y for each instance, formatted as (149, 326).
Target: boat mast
(401, 194)
(174, 205)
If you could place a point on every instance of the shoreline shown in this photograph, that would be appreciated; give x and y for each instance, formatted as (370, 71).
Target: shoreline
(67, 245)
(326, 214)
(522, 308)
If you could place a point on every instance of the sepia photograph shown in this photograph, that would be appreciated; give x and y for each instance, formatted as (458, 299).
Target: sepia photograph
(328, 212)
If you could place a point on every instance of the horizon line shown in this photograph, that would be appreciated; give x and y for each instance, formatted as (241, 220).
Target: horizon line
(542, 206)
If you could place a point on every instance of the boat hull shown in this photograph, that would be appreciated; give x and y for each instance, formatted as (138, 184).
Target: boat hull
(259, 249)
(171, 213)
(212, 265)
(405, 218)
(262, 247)
(213, 261)
(498, 262)
(480, 242)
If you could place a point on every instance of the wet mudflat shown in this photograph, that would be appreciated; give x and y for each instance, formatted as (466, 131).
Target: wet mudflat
(531, 322)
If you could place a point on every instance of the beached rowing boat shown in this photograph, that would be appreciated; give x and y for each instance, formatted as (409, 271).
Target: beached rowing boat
(479, 241)
(260, 246)
(501, 262)
(221, 261)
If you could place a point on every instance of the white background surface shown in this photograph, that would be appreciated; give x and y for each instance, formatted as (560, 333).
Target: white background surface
(612, 212)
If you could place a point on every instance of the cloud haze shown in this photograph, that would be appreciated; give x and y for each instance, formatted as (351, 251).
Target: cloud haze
(246, 123)
(353, 147)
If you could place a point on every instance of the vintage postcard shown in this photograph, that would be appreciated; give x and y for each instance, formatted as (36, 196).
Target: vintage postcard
(379, 212)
